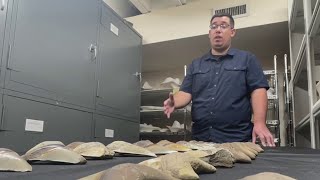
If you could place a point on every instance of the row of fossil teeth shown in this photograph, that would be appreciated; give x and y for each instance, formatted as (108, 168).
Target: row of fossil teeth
(53, 151)
(77, 152)
(197, 158)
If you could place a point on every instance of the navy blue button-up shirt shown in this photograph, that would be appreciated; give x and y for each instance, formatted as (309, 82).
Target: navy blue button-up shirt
(221, 89)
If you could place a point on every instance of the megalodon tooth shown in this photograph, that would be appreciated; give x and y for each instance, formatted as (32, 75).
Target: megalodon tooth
(254, 146)
(124, 148)
(190, 145)
(54, 153)
(45, 143)
(11, 161)
(238, 155)
(173, 146)
(215, 156)
(267, 176)
(91, 149)
(143, 143)
(159, 150)
(180, 165)
(129, 171)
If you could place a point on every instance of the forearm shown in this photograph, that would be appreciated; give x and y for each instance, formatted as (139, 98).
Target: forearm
(181, 99)
(259, 102)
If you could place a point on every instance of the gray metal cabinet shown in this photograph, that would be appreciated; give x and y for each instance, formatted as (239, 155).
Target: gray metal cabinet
(62, 124)
(50, 54)
(122, 130)
(49, 50)
(3, 15)
(119, 55)
(3, 19)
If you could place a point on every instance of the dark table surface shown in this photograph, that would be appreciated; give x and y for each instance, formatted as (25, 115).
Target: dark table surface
(299, 163)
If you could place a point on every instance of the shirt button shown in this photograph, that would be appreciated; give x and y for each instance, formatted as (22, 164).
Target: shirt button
(210, 127)
(215, 85)
(217, 73)
(212, 98)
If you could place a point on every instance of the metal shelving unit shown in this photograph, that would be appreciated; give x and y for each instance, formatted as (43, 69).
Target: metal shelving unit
(305, 69)
(288, 104)
(159, 119)
(273, 122)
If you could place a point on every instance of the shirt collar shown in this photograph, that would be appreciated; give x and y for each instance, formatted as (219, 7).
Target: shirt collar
(209, 56)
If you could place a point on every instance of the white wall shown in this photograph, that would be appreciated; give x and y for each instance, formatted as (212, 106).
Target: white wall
(193, 18)
(290, 3)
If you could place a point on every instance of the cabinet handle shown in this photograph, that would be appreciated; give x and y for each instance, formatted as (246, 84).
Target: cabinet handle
(93, 49)
(2, 117)
(2, 5)
(8, 58)
(98, 87)
(286, 78)
(138, 75)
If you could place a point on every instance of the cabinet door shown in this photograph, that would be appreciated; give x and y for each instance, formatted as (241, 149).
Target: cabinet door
(59, 124)
(123, 130)
(119, 60)
(3, 19)
(49, 54)
(3, 15)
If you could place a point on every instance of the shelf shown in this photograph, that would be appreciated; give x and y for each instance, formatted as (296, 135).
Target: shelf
(272, 97)
(154, 97)
(272, 122)
(303, 122)
(316, 108)
(269, 72)
(315, 21)
(156, 91)
(298, 62)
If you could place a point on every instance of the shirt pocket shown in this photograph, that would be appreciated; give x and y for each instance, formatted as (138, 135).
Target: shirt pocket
(201, 79)
(235, 77)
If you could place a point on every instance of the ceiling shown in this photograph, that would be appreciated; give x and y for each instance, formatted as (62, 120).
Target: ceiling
(264, 41)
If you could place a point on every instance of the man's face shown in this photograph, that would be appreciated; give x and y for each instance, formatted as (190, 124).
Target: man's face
(220, 33)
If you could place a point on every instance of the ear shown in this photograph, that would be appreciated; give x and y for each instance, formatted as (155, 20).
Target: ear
(209, 34)
(233, 32)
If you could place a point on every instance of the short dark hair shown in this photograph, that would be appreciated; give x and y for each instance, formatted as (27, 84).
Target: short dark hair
(224, 14)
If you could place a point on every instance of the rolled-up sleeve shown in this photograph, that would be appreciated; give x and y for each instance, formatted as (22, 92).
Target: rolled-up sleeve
(186, 85)
(255, 77)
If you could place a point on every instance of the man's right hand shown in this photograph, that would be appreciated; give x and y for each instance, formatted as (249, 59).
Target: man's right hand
(168, 105)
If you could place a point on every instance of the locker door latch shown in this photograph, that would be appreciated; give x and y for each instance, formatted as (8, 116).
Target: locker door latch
(93, 49)
(138, 75)
(2, 5)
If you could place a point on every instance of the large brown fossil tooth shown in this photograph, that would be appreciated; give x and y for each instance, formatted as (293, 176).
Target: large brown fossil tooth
(54, 153)
(129, 171)
(127, 149)
(11, 161)
(91, 150)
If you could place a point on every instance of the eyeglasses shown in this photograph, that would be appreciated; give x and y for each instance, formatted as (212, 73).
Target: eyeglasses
(222, 26)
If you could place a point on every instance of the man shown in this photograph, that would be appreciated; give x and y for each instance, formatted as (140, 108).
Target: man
(226, 86)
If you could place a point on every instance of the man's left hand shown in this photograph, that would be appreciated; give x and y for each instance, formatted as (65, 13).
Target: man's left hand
(261, 131)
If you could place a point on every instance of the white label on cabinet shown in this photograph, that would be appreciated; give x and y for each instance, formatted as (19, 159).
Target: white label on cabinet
(109, 133)
(34, 125)
(114, 29)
